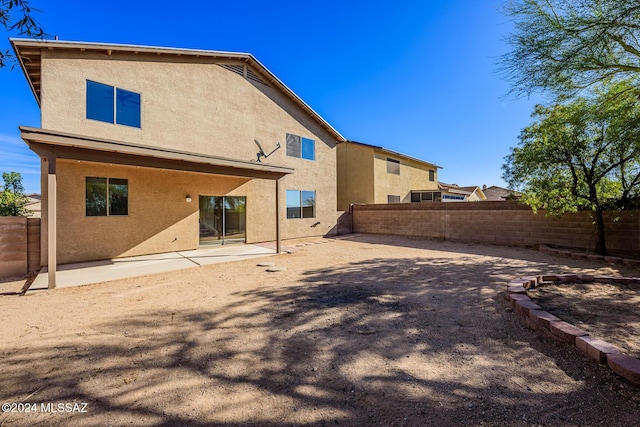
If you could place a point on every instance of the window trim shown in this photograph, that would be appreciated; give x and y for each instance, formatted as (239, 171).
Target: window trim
(300, 206)
(107, 197)
(435, 196)
(392, 169)
(300, 140)
(114, 107)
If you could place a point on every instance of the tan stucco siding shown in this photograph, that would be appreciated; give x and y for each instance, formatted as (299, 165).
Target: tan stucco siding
(413, 176)
(474, 197)
(160, 219)
(355, 175)
(198, 107)
(185, 105)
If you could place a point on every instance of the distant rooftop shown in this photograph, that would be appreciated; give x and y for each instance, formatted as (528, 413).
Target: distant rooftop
(393, 153)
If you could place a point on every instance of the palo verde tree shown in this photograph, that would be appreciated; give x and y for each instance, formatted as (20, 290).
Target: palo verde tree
(564, 46)
(16, 17)
(13, 201)
(583, 154)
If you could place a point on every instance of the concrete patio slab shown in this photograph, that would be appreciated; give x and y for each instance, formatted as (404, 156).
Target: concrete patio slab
(86, 273)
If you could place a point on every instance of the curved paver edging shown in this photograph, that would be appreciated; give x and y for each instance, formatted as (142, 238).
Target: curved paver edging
(536, 318)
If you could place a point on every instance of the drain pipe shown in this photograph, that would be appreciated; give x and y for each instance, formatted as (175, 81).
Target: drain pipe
(351, 217)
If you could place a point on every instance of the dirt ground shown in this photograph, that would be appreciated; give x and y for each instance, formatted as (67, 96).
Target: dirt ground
(366, 330)
(606, 311)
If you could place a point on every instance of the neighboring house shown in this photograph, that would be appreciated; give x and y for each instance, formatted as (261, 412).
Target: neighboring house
(455, 193)
(34, 205)
(149, 150)
(373, 174)
(495, 193)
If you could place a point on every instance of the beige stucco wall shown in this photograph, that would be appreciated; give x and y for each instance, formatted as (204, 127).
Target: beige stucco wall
(474, 197)
(413, 176)
(198, 107)
(355, 175)
(160, 219)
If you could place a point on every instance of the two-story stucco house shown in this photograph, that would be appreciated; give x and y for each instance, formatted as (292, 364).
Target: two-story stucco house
(149, 150)
(373, 174)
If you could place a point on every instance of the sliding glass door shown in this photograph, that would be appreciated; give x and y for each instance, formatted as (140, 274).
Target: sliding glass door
(222, 219)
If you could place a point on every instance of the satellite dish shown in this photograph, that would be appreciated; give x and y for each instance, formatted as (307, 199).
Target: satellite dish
(261, 153)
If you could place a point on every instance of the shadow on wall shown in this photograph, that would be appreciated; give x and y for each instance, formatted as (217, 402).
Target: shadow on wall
(356, 344)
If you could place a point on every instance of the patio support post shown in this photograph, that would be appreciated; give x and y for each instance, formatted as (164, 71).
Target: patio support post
(51, 222)
(278, 242)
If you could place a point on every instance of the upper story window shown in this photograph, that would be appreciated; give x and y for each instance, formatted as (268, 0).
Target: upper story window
(112, 105)
(298, 146)
(432, 175)
(393, 166)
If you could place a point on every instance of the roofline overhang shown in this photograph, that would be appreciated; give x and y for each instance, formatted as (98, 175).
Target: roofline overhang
(61, 145)
(20, 43)
(394, 153)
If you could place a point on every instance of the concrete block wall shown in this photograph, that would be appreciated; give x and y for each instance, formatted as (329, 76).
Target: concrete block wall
(502, 223)
(19, 246)
(33, 244)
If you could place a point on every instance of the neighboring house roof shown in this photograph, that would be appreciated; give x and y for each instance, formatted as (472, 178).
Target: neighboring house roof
(498, 193)
(28, 51)
(393, 153)
(467, 191)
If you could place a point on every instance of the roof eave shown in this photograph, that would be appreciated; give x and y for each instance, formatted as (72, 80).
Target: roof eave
(24, 69)
(17, 43)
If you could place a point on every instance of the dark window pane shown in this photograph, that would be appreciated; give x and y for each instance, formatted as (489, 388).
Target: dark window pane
(393, 199)
(293, 145)
(96, 196)
(436, 196)
(415, 197)
(127, 108)
(393, 166)
(432, 175)
(293, 204)
(99, 102)
(118, 197)
(308, 204)
(308, 149)
(428, 195)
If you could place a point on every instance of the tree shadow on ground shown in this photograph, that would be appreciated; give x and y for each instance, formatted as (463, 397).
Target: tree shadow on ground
(410, 341)
(558, 264)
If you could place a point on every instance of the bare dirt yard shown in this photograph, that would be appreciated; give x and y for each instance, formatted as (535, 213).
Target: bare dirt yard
(365, 330)
(609, 311)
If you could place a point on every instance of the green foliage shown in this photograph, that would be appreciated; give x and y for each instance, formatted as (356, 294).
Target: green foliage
(13, 201)
(16, 16)
(563, 46)
(584, 154)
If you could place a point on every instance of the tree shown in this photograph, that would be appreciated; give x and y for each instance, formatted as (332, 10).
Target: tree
(584, 154)
(16, 16)
(13, 201)
(563, 46)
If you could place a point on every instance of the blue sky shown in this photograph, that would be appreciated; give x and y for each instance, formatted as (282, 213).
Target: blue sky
(417, 77)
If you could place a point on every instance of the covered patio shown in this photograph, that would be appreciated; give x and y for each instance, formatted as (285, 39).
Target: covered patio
(53, 145)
